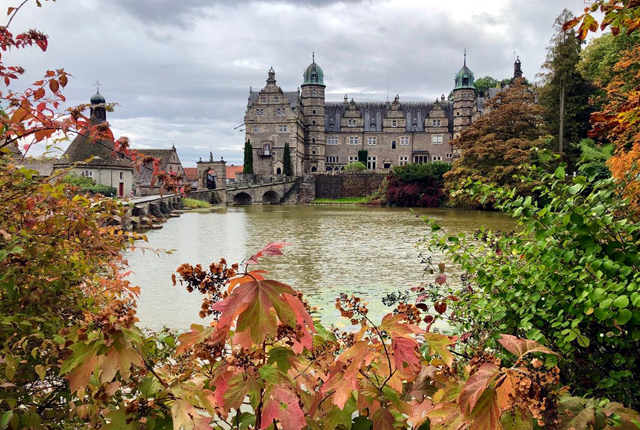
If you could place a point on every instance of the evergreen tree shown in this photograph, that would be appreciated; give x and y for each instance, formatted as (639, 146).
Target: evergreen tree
(286, 161)
(248, 158)
(362, 156)
(565, 95)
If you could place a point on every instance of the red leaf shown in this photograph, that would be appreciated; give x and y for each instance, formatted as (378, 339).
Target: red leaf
(440, 307)
(283, 406)
(476, 385)
(272, 249)
(406, 356)
(520, 347)
(38, 94)
(441, 279)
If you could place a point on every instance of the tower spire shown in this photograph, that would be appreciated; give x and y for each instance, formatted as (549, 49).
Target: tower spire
(313, 56)
(465, 57)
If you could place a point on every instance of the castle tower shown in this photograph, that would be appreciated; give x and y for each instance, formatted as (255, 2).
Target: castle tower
(517, 70)
(313, 91)
(464, 99)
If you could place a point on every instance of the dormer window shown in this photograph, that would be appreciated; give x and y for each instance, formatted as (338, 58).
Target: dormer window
(465, 81)
(276, 99)
(264, 99)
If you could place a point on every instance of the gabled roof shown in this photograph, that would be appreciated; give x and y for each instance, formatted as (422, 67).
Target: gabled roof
(232, 171)
(191, 173)
(82, 148)
(146, 171)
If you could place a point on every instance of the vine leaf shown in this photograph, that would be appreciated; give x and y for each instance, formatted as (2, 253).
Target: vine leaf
(521, 347)
(272, 249)
(406, 356)
(439, 343)
(282, 405)
(186, 417)
(476, 386)
(486, 414)
(257, 306)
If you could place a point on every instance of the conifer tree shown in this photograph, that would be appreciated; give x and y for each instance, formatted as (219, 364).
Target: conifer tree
(565, 95)
(362, 156)
(248, 158)
(286, 161)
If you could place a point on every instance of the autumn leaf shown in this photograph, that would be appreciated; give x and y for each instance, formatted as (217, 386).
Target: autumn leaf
(282, 405)
(406, 356)
(476, 386)
(257, 306)
(186, 417)
(521, 347)
(272, 249)
(197, 334)
(439, 343)
(486, 414)
(382, 420)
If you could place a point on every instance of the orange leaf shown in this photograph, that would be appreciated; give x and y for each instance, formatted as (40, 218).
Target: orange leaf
(54, 86)
(520, 347)
(406, 356)
(476, 385)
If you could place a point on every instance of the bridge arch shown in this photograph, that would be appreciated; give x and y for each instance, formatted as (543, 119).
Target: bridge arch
(270, 197)
(242, 199)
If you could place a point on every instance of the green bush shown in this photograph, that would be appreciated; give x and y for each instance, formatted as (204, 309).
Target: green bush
(355, 167)
(421, 172)
(569, 278)
(88, 185)
(194, 204)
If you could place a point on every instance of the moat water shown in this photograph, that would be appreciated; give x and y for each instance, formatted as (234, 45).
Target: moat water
(365, 251)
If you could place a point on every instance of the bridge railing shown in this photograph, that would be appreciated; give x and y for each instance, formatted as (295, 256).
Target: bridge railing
(260, 181)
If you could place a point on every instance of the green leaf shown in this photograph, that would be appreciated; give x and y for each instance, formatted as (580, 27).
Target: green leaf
(575, 189)
(4, 420)
(560, 172)
(623, 316)
(621, 302)
(361, 423)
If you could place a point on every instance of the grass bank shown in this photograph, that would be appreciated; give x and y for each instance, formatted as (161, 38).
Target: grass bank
(194, 204)
(344, 201)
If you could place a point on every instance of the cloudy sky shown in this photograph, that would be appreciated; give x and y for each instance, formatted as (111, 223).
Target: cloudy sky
(180, 70)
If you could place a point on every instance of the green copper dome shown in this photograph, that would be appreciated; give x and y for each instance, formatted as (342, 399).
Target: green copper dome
(465, 79)
(313, 75)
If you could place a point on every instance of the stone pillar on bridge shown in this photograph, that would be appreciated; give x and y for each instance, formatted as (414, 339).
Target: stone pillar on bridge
(212, 175)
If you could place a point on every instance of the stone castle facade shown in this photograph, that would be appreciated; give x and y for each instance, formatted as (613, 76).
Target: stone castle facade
(326, 136)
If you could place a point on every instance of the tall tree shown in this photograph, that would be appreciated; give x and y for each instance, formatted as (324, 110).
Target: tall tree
(248, 158)
(483, 84)
(286, 161)
(500, 145)
(363, 154)
(565, 95)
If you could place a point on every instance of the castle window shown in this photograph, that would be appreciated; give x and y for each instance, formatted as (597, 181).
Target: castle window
(282, 129)
(372, 141)
(264, 99)
(332, 159)
(121, 176)
(437, 158)
(259, 111)
(333, 140)
(87, 173)
(313, 140)
(313, 93)
(256, 129)
(404, 159)
(353, 159)
(394, 123)
(458, 113)
(353, 140)
(449, 155)
(266, 149)
(436, 123)
(386, 165)
(313, 112)
(278, 171)
(436, 140)
(371, 162)
(351, 123)
(421, 159)
(404, 140)
(276, 99)
(313, 122)
(393, 144)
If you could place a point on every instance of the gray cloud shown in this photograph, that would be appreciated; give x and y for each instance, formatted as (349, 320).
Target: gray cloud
(181, 71)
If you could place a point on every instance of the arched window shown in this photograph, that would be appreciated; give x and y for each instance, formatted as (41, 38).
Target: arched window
(278, 171)
(313, 93)
(313, 140)
(121, 176)
(314, 169)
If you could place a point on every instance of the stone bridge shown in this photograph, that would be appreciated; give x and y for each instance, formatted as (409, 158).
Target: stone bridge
(261, 192)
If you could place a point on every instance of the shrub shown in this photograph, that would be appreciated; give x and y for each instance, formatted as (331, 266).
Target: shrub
(88, 185)
(569, 278)
(417, 185)
(355, 167)
(194, 204)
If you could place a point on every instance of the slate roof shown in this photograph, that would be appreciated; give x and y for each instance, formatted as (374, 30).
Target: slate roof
(44, 166)
(82, 148)
(292, 96)
(412, 110)
(146, 171)
(14, 151)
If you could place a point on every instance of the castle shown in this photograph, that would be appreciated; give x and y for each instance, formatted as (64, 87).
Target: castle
(326, 136)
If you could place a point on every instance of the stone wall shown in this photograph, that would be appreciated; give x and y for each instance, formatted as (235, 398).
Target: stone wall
(346, 185)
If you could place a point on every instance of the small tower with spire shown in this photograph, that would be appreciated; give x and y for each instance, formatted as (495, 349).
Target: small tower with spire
(313, 107)
(98, 110)
(464, 98)
(517, 70)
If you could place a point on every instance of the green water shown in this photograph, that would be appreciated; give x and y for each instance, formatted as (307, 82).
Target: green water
(365, 251)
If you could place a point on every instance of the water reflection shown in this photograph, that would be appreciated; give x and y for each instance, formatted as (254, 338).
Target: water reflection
(365, 251)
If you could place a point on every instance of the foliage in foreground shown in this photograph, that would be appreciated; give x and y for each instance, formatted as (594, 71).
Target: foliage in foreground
(417, 185)
(568, 278)
(356, 166)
